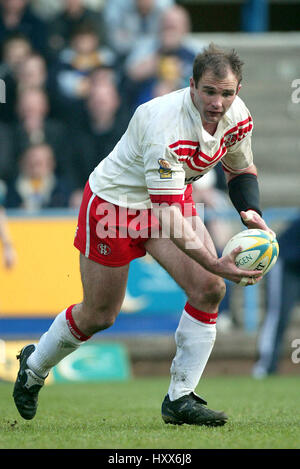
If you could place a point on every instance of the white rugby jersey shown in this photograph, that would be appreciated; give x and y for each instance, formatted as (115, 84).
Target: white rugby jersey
(166, 147)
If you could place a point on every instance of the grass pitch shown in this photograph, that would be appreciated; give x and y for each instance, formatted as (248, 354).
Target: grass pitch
(126, 415)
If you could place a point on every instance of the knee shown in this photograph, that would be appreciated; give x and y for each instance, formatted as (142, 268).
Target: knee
(214, 291)
(99, 319)
(104, 319)
(211, 293)
(104, 323)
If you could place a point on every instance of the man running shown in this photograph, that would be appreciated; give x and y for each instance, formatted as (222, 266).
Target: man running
(137, 200)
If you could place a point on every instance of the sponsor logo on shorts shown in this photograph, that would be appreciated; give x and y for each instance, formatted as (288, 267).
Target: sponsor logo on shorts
(104, 249)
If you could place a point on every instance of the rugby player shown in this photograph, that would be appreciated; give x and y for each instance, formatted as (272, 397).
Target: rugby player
(170, 142)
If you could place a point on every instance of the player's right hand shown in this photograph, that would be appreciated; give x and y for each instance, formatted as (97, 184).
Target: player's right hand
(226, 268)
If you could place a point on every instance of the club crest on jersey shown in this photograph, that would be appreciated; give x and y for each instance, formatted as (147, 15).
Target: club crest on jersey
(165, 171)
(104, 249)
(230, 139)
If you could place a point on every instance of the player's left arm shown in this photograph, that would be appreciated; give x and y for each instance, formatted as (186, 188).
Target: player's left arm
(245, 197)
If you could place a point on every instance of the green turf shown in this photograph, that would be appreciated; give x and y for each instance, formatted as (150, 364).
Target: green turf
(263, 414)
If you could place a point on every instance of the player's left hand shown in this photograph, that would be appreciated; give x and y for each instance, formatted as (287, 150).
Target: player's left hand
(254, 220)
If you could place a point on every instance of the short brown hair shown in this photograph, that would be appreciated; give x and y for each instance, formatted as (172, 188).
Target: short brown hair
(217, 60)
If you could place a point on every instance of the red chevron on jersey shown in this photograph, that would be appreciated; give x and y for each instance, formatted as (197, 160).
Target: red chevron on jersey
(237, 133)
(184, 142)
(197, 159)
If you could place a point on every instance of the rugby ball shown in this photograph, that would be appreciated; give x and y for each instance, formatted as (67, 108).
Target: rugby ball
(260, 250)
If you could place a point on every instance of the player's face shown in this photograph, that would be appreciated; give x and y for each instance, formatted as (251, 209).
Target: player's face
(213, 96)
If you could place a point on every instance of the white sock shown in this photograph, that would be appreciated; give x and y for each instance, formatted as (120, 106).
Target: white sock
(194, 341)
(55, 344)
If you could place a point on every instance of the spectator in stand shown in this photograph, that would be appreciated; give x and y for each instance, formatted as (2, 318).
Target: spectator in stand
(48, 10)
(69, 80)
(166, 56)
(6, 151)
(45, 9)
(8, 250)
(36, 186)
(74, 14)
(283, 292)
(16, 16)
(35, 127)
(162, 87)
(102, 75)
(15, 51)
(76, 199)
(104, 124)
(131, 20)
(32, 72)
(168, 78)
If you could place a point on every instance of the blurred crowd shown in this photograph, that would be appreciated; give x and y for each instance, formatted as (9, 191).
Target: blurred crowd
(74, 72)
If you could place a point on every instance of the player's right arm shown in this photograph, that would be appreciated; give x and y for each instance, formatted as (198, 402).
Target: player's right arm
(165, 180)
(188, 240)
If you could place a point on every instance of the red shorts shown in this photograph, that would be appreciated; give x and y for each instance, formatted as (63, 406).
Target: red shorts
(113, 235)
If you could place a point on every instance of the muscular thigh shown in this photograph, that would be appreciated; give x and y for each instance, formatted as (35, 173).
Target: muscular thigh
(187, 273)
(104, 287)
